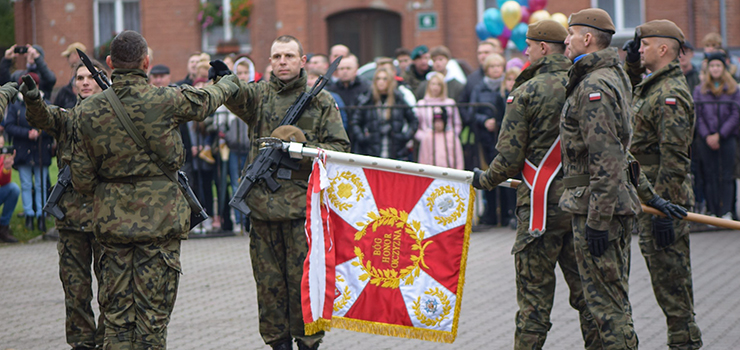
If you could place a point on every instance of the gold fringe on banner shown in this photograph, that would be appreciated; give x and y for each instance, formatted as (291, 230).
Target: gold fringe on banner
(392, 330)
(319, 325)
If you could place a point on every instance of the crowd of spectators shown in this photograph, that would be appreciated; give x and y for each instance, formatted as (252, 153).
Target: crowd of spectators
(420, 105)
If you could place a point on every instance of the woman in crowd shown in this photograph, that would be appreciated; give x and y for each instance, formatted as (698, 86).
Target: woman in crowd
(717, 125)
(383, 131)
(439, 126)
(486, 124)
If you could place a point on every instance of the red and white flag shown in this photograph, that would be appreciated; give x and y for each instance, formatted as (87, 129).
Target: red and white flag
(387, 252)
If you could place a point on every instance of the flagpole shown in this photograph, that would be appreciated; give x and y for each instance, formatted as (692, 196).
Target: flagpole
(702, 219)
(298, 150)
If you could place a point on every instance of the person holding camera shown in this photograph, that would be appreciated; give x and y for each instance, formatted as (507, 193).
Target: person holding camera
(33, 55)
(9, 191)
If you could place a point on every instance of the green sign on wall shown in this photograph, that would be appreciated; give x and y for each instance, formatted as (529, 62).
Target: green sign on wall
(427, 21)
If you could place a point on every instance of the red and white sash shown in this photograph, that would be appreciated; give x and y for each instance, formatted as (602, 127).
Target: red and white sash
(538, 179)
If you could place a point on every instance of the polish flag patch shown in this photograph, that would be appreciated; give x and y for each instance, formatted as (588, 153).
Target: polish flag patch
(510, 99)
(594, 96)
(670, 101)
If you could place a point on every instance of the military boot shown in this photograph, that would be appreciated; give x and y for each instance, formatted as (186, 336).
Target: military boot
(6, 235)
(302, 346)
(283, 345)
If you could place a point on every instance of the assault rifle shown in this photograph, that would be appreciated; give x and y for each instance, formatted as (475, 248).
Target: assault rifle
(271, 162)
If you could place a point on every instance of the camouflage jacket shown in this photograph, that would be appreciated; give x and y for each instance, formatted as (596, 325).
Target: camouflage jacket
(262, 106)
(595, 132)
(107, 163)
(59, 123)
(663, 131)
(531, 124)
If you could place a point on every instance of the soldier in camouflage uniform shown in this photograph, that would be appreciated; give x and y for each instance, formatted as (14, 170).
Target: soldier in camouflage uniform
(277, 243)
(664, 126)
(595, 131)
(530, 127)
(140, 216)
(77, 246)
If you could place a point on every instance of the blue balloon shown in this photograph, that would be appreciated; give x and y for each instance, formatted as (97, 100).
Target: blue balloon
(519, 36)
(482, 32)
(500, 3)
(493, 21)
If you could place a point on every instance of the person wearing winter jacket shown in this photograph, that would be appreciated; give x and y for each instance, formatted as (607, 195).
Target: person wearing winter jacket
(439, 127)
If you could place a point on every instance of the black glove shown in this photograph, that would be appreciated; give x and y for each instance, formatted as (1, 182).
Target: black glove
(663, 231)
(28, 88)
(670, 210)
(218, 69)
(476, 178)
(597, 240)
(632, 47)
(9, 91)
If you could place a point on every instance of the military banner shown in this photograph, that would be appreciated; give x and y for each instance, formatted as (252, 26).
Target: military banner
(387, 251)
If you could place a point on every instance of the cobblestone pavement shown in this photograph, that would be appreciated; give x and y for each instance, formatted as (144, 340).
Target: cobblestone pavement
(216, 306)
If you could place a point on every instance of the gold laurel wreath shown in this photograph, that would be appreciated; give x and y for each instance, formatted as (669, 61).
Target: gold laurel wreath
(332, 191)
(442, 220)
(446, 308)
(390, 278)
(346, 296)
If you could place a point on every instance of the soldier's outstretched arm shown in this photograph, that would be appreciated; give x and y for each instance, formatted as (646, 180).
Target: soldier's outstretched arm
(197, 104)
(7, 95)
(47, 118)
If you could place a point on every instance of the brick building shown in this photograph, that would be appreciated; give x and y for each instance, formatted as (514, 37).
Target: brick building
(369, 27)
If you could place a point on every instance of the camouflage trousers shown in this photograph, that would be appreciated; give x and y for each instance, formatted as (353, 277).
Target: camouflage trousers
(139, 288)
(535, 260)
(78, 251)
(605, 281)
(278, 250)
(670, 274)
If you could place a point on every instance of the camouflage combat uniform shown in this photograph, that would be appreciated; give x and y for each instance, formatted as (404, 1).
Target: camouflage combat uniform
(7, 92)
(277, 243)
(140, 215)
(77, 246)
(664, 127)
(530, 127)
(595, 131)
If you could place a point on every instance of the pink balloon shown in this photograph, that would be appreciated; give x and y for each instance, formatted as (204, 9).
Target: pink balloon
(525, 14)
(505, 35)
(503, 41)
(536, 5)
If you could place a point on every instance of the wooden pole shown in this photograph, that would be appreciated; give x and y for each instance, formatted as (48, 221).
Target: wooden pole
(693, 217)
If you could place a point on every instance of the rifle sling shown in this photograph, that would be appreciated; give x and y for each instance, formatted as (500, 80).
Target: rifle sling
(135, 134)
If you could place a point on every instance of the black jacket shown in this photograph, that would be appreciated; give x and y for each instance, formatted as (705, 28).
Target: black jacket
(478, 115)
(350, 93)
(365, 127)
(26, 150)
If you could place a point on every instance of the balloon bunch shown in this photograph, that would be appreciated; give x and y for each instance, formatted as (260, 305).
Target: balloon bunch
(511, 19)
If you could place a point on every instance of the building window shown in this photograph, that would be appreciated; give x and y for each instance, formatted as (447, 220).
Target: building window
(626, 14)
(114, 16)
(225, 32)
(483, 5)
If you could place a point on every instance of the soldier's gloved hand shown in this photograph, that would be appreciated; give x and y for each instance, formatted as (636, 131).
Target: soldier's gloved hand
(632, 47)
(218, 69)
(28, 88)
(598, 241)
(477, 173)
(663, 231)
(9, 91)
(672, 211)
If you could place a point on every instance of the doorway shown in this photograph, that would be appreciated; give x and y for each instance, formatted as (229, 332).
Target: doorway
(368, 33)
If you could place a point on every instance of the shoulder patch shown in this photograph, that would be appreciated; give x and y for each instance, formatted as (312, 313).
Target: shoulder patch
(670, 101)
(594, 96)
(510, 99)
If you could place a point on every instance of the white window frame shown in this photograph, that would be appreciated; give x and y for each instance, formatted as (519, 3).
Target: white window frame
(622, 31)
(228, 31)
(118, 8)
